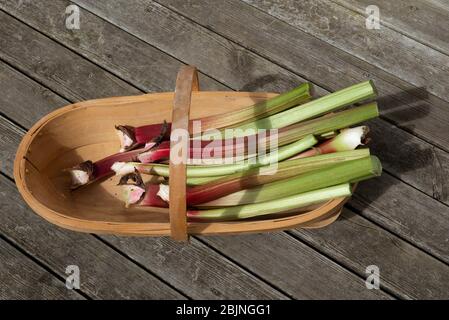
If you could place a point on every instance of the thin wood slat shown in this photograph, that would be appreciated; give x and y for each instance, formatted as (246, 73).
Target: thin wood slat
(186, 82)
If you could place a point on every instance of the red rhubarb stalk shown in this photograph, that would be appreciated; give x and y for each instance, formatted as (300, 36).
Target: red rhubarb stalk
(132, 137)
(243, 180)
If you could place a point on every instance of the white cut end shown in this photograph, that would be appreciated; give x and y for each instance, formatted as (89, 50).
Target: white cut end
(164, 192)
(132, 194)
(125, 141)
(79, 177)
(351, 138)
(122, 168)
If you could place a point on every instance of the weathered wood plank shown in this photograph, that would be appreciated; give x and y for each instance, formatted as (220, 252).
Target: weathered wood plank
(405, 211)
(404, 269)
(196, 268)
(229, 281)
(405, 168)
(121, 54)
(19, 106)
(52, 64)
(194, 45)
(21, 278)
(420, 20)
(10, 136)
(411, 159)
(294, 267)
(235, 66)
(440, 4)
(104, 273)
(385, 48)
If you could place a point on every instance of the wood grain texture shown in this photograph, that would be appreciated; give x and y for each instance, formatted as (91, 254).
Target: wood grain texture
(404, 269)
(105, 273)
(294, 267)
(406, 105)
(195, 268)
(385, 48)
(212, 54)
(10, 136)
(186, 82)
(422, 21)
(20, 107)
(120, 53)
(51, 64)
(406, 212)
(23, 279)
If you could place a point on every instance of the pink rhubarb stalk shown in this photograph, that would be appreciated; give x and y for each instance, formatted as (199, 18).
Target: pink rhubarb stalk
(88, 171)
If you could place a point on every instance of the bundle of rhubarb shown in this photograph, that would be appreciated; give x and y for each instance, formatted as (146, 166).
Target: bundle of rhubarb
(273, 157)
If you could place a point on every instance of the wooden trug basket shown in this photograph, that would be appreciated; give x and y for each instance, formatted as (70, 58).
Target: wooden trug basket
(85, 130)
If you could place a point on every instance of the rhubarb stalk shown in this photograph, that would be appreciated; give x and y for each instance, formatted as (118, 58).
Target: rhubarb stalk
(311, 109)
(131, 137)
(243, 180)
(276, 206)
(350, 171)
(285, 152)
(256, 177)
(88, 171)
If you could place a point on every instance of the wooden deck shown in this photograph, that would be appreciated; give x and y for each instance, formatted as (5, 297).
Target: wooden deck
(399, 222)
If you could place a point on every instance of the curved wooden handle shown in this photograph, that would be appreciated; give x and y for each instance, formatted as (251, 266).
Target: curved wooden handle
(186, 82)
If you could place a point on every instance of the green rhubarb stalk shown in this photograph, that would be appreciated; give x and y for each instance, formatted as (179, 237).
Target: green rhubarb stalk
(328, 123)
(285, 152)
(350, 171)
(323, 127)
(260, 110)
(309, 110)
(132, 137)
(279, 205)
(197, 181)
(285, 169)
(262, 175)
